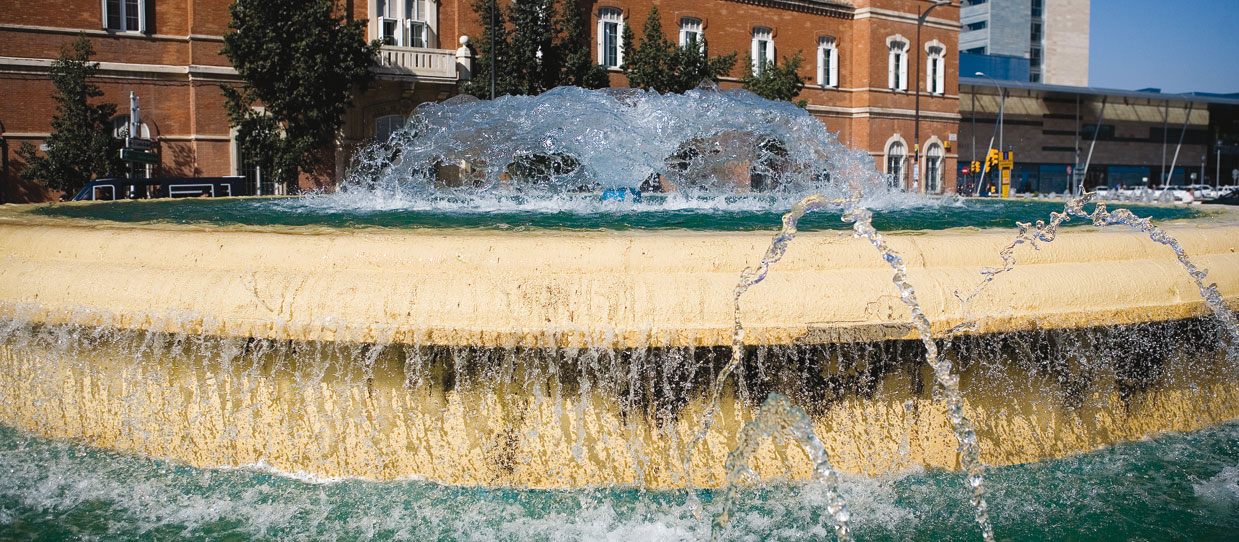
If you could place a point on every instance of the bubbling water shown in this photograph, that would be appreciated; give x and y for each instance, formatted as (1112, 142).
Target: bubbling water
(558, 151)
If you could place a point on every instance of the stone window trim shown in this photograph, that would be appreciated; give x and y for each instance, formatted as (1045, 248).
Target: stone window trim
(827, 61)
(690, 26)
(762, 47)
(935, 67)
(935, 173)
(897, 63)
(610, 39)
(895, 159)
(405, 23)
(120, 16)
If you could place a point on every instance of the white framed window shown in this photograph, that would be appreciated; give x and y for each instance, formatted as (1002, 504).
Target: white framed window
(402, 23)
(827, 62)
(124, 15)
(933, 168)
(935, 56)
(610, 37)
(690, 33)
(763, 49)
(385, 126)
(897, 63)
(896, 155)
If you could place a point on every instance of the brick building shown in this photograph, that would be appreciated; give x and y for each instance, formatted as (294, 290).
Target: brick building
(860, 62)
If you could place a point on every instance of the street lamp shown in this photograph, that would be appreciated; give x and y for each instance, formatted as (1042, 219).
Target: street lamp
(916, 130)
(1002, 103)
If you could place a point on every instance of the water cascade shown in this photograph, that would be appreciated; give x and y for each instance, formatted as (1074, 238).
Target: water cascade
(498, 303)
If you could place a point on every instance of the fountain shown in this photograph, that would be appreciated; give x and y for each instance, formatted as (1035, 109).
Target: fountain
(508, 323)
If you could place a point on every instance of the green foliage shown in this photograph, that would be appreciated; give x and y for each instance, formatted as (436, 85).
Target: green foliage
(301, 61)
(533, 59)
(81, 145)
(544, 48)
(579, 68)
(659, 64)
(776, 82)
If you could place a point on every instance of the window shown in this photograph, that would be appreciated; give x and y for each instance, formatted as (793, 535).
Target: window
(897, 64)
(610, 29)
(1037, 8)
(979, 25)
(895, 155)
(976, 51)
(763, 49)
(935, 80)
(690, 33)
(933, 169)
(827, 62)
(402, 22)
(124, 15)
(384, 127)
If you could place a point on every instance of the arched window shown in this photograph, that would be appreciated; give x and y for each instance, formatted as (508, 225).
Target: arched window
(933, 169)
(935, 54)
(610, 33)
(763, 49)
(897, 63)
(896, 154)
(385, 126)
(827, 62)
(690, 32)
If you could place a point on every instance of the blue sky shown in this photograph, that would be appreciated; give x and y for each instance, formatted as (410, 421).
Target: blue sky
(1174, 45)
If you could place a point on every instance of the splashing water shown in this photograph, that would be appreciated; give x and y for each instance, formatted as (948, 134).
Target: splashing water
(778, 417)
(1046, 233)
(704, 149)
(948, 383)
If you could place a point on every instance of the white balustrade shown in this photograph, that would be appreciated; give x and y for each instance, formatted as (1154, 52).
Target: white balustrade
(417, 61)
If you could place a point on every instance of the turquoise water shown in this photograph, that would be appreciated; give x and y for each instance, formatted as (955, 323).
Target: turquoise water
(1174, 487)
(720, 214)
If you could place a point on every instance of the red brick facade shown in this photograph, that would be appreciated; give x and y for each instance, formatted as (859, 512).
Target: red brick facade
(174, 66)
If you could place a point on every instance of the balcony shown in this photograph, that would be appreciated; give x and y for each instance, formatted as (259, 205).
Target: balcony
(417, 63)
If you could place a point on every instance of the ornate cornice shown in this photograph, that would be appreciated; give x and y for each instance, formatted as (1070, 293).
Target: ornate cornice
(829, 8)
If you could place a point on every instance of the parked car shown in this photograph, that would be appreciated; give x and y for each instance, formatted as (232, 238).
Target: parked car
(1230, 198)
(180, 187)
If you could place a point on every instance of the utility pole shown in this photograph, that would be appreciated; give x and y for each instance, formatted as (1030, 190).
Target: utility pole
(493, 24)
(916, 130)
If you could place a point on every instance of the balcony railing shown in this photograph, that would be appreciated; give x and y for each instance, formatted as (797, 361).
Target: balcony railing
(417, 62)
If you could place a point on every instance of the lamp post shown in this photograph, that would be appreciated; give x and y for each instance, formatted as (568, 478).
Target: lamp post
(916, 129)
(1002, 103)
(493, 8)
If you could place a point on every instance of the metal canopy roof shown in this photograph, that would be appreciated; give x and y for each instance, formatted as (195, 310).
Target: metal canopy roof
(1097, 91)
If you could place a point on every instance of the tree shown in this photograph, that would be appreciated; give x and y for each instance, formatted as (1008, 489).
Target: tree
(533, 60)
(494, 43)
(544, 48)
(302, 62)
(774, 82)
(81, 145)
(659, 64)
(579, 68)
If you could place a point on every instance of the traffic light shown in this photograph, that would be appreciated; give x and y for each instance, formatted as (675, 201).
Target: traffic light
(976, 166)
(991, 159)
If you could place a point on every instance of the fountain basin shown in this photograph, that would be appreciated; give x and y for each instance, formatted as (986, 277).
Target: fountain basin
(585, 289)
(532, 359)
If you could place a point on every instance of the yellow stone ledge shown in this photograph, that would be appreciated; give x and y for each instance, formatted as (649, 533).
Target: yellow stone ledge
(578, 289)
(537, 436)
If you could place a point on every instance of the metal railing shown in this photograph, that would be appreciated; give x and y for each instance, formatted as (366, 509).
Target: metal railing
(417, 61)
